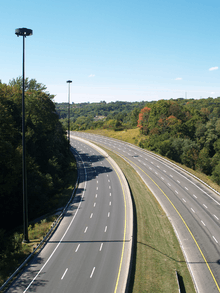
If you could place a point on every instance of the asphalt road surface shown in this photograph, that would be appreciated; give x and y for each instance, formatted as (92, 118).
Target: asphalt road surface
(192, 207)
(86, 253)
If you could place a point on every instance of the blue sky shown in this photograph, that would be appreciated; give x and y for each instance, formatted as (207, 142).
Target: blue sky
(115, 50)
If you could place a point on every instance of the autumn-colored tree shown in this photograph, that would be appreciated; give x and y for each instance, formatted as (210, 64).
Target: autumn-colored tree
(143, 120)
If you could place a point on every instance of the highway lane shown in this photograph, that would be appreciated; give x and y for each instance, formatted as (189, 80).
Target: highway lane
(85, 254)
(193, 209)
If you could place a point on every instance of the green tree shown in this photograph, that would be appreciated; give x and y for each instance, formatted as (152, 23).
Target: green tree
(204, 162)
(190, 153)
(47, 154)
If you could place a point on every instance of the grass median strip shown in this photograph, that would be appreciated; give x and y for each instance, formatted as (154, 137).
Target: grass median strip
(157, 254)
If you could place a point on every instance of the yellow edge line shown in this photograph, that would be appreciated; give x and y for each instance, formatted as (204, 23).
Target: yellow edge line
(181, 219)
(125, 224)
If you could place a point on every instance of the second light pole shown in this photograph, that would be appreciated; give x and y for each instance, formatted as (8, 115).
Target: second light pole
(69, 82)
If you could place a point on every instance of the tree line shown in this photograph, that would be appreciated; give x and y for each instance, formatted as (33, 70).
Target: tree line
(115, 115)
(47, 155)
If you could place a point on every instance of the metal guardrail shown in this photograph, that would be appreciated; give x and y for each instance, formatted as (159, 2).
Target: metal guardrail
(54, 226)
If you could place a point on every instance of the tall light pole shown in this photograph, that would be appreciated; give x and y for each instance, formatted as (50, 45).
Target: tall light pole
(24, 32)
(69, 82)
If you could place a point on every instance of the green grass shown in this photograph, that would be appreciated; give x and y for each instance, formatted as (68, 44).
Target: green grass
(15, 252)
(129, 135)
(157, 254)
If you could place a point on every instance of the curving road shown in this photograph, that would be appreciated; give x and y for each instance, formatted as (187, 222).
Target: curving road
(193, 208)
(89, 251)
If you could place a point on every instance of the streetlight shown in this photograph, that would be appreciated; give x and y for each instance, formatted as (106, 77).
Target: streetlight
(24, 32)
(69, 82)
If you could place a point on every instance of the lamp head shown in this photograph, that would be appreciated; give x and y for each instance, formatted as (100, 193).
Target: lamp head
(23, 32)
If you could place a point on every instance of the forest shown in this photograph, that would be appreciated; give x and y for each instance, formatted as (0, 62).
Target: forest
(184, 130)
(47, 152)
(115, 115)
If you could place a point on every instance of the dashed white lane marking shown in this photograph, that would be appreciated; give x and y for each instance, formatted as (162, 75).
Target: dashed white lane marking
(92, 272)
(215, 239)
(106, 228)
(171, 176)
(97, 188)
(97, 181)
(176, 191)
(110, 203)
(164, 171)
(150, 168)
(193, 210)
(178, 181)
(94, 204)
(156, 173)
(77, 248)
(146, 159)
(183, 200)
(101, 247)
(186, 188)
(108, 214)
(162, 178)
(108, 180)
(109, 187)
(96, 195)
(85, 229)
(205, 206)
(168, 184)
(91, 215)
(194, 195)
(64, 274)
(110, 194)
(158, 167)
(216, 217)
(203, 223)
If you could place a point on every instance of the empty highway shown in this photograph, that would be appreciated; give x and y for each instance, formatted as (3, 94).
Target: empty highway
(192, 207)
(89, 251)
